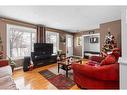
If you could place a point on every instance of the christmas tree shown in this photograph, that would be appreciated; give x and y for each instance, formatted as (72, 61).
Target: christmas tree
(109, 43)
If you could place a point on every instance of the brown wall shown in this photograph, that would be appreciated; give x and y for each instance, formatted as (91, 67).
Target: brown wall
(17, 22)
(78, 49)
(114, 27)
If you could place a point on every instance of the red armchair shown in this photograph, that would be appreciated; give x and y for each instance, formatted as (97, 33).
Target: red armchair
(97, 77)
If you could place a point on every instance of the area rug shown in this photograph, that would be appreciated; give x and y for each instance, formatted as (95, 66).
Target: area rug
(59, 81)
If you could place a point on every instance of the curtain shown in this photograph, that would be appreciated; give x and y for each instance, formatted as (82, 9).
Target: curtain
(41, 36)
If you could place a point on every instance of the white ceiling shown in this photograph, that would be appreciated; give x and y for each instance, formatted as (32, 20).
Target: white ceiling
(70, 18)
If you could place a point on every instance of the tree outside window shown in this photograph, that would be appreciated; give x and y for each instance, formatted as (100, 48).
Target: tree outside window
(20, 41)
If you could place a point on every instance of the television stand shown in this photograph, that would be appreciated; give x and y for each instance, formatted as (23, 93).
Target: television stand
(40, 59)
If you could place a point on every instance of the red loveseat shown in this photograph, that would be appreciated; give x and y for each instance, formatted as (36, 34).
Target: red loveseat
(96, 77)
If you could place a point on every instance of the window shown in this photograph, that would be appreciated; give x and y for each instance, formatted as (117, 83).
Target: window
(69, 42)
(20, 41)
(53, 37)
(78, 41)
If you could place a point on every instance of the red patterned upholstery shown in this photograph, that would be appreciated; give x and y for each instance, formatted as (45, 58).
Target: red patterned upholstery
(3, 63)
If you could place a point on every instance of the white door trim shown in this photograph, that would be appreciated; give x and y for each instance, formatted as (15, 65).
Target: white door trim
(67, 36)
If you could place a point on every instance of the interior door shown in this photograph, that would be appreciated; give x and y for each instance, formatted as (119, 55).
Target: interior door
(69, 45)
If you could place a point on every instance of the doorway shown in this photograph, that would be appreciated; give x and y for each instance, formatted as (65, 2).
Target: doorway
(90, 43)
(69, 45)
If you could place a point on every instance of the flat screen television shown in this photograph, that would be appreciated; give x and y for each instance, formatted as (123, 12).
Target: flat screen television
(45, 48)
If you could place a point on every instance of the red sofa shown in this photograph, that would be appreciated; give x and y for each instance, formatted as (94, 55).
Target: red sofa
(90, 76)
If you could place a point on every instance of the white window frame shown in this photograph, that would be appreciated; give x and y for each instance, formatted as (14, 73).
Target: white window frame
(8, 26)
(53, 33)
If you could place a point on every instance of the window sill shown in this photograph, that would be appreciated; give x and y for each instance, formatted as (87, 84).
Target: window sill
(20, 58)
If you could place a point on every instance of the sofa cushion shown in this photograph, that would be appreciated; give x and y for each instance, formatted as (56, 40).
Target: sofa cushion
(5, 71)
(7, 82)
(110, 59)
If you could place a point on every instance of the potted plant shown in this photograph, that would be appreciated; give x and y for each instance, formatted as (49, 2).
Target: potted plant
(12, 63)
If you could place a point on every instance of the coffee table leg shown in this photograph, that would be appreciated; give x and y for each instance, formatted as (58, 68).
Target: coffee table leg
(80, 62)
(66, 73)
(58, 67)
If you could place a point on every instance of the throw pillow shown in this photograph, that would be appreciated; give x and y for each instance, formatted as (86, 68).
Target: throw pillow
(110, 59)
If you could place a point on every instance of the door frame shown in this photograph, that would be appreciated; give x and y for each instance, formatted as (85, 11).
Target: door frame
(67, 36)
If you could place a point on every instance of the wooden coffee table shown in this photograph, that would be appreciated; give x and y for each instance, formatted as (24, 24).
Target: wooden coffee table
(65, 64)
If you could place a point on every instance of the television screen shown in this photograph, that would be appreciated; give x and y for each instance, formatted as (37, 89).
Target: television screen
(45, 48)
(94, 40)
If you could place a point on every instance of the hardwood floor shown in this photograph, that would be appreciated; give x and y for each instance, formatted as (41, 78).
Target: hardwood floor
(33, 80)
